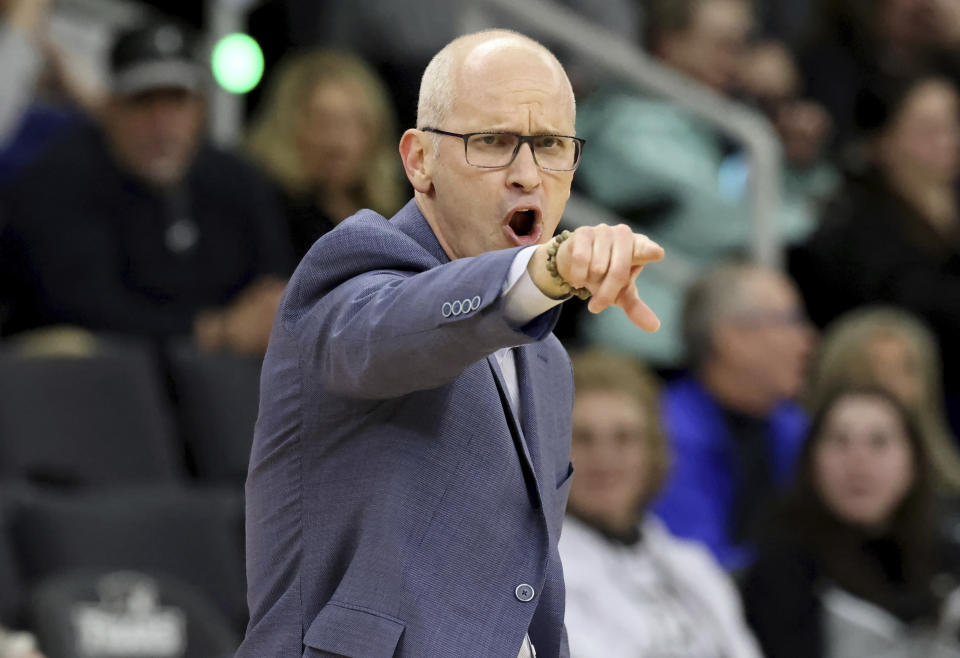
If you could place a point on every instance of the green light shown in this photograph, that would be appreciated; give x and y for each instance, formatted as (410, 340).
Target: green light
(237, 63)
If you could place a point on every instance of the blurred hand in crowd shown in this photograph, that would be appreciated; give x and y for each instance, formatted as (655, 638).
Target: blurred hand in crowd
(243, 326)
(61, 80)
(31, 17)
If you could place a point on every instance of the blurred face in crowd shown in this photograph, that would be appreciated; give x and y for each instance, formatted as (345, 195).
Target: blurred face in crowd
(922, 143)
(502, 84)
(896, 367)
(610, 455)
(154, 134)
(767, 342)
(336, 134)
(863, 463)
(711, 48)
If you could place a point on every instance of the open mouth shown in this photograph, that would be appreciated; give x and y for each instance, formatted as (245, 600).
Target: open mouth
(522, 222)
(524, 226)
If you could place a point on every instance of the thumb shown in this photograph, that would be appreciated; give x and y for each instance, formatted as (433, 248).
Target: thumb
(646, 250)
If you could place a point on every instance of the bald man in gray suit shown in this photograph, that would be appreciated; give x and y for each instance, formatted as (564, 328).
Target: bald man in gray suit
(410, 465)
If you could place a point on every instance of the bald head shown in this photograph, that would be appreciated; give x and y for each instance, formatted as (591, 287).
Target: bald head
(472, 56)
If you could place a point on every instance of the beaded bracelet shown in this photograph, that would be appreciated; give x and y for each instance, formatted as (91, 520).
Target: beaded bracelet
(552, 248)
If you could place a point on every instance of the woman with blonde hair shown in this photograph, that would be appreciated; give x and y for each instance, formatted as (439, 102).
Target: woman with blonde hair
(326, 134)
(633, 589)
(888, 347)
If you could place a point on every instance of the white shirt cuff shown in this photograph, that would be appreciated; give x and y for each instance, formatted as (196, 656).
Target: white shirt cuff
(522, 299)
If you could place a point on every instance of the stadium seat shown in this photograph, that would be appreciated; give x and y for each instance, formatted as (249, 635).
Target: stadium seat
(101, 419)
(192, 535)
(217, 397)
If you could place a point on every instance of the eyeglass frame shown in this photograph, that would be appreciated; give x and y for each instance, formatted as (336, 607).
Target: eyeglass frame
(521, 140)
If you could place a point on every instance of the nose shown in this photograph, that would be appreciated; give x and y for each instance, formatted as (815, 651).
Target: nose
(523, 172)
(860, 460)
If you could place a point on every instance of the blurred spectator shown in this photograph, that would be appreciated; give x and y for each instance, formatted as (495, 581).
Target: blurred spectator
(856, 40)
(770, 79)
(633, 589)
(733, 426)
(852, 567)
(136, 226)
(327, 135)
(39, 93)
(675, 176)
(888, 347)
(397, 38)
(893, 233)
(651, 160)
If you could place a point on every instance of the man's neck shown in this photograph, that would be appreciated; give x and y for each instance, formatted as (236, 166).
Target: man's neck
(736, 393)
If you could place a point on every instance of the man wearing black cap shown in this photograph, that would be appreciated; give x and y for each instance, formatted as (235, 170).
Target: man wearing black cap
(135, 225)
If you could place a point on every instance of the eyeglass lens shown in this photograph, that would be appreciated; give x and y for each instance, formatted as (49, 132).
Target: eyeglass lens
(497, 150)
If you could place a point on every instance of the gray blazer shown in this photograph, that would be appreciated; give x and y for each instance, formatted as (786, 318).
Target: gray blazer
(396, 506)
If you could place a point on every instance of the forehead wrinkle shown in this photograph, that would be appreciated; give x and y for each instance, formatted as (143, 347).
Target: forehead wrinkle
(506, 96)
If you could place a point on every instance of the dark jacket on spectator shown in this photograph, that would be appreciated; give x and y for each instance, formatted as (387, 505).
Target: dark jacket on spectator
(873, 248)
(790, 590)
(85, 244)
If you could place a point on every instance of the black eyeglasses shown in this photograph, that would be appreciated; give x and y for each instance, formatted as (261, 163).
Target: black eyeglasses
(492, 150)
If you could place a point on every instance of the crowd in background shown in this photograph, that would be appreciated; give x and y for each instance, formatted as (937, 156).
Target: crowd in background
(776, 473)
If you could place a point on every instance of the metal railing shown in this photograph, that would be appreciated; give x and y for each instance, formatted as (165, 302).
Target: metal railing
(561, 26)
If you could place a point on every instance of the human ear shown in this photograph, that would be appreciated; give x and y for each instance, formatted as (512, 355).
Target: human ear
(414, 153)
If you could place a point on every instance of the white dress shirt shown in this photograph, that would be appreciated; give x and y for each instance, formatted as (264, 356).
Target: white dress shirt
(522, 302)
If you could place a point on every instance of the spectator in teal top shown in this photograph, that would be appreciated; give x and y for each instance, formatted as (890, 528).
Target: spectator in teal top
(676, 177)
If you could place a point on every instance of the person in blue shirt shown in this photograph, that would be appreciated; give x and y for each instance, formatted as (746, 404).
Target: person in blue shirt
(734, 428)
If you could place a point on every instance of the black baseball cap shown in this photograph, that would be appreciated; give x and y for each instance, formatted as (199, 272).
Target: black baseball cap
(155, 56)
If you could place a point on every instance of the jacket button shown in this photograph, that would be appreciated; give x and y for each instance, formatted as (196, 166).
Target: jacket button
(524, 592)
(446, 309)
